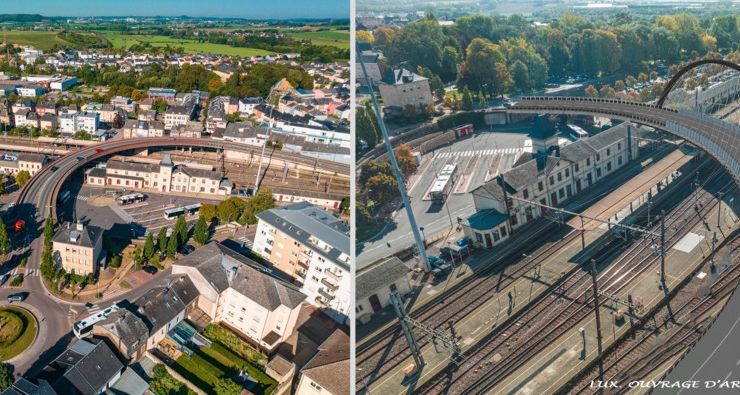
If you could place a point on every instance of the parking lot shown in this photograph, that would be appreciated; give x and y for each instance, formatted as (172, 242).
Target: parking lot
(96, 207)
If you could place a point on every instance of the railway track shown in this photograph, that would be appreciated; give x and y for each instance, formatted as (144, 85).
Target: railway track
(672, 332)
(384, 352)
(495, 347)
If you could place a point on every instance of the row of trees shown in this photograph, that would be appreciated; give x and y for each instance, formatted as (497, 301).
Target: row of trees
(243, 211)
(499, 54)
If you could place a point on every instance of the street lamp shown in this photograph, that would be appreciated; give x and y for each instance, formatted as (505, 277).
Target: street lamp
(421, 228)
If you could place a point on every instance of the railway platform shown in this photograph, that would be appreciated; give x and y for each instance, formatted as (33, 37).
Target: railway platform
(558, 362)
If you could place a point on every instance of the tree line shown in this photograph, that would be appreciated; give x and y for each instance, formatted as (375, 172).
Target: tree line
(503, 54)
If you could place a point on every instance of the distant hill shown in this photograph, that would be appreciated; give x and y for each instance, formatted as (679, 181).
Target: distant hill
(21, 18)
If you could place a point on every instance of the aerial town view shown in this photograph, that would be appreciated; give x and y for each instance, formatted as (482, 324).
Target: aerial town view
(557, 213)
(175, 197)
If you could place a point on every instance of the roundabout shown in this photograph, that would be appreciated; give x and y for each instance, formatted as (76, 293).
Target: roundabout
(18, 330)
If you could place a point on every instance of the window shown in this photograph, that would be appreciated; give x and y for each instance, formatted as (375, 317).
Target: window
(588, 161)
(552, 180)
(567, 173)
(525, 193)
(316, 386)
(609, 166)
(560, 176)
(598, 157)
(576, 169)
(513, 220)
(561, 193)
(608, 151)
(619, 146)
(358, 308)
(503, 231)
(539, 186)
(257, 318)
(478, 237)
(619, 161)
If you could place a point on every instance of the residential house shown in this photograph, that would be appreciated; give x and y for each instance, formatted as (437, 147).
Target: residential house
(247, 104)
(312, 247)
(47, 107)
(78, 248)
(328, 372)
(401, 88)
(242, 295)
(71, 123)
(87, 367)
(30, 162)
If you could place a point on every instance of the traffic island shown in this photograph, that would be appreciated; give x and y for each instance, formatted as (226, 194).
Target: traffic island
(18, 329)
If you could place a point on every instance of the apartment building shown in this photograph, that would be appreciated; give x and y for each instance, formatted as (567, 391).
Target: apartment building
(70, 123)
(78, 248)
(312, 247)
(242, 295)
(549, 176)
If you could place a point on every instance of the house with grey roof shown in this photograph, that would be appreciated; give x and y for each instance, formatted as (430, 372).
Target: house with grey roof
(404, 88)
(328, 372)
(77, 248)
(547, 177)
(312, 247)
(242, 294)
(88, 367)
(374, 284)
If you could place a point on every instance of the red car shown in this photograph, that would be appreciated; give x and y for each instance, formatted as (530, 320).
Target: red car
(98, 150)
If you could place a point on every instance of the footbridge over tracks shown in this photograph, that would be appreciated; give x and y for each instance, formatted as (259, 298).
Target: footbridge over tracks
(719, 139)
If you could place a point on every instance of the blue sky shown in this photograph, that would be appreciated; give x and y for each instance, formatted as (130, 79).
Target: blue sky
(249, 9)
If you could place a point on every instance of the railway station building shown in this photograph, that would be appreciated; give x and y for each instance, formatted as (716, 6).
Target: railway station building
(312, 247)
(164, 177)
(374, 285)
(548, 176)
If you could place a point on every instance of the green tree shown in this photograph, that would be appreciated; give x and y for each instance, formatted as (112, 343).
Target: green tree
(6, 376)
(520, 74)
(405, 160)
(47, 265)
(476, 69)
(591, 91)
(230, 209)
(256, 204)
(82, 135)
(201, 233)
(22, 178)
(181, 231)
(172, 246)
(4, 240)
(437, 87)
(208, 211)
(382, 188)
(162, 239)
(227, 386)
(160, 105)
(367, 126)
(149, 247)
(48, 231)
(467, 99)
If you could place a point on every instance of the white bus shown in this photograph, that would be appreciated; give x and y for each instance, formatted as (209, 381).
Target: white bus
(576, 132)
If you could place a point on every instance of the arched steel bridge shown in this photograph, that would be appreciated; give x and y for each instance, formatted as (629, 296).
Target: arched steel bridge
(719, 139)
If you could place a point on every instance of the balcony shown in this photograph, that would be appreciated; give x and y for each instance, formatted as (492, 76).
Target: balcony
(307, 253)
(333, 276)
(325, 294)
(301, 273)
(329, 285)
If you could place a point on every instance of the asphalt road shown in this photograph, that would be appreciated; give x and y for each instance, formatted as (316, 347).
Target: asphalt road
(436, 218)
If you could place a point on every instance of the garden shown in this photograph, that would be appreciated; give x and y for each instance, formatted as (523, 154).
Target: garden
(213, 368)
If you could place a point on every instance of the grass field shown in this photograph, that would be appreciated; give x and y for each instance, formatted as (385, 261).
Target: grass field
(190, 46)
(25, 339)
(338, 39)
(40, 40)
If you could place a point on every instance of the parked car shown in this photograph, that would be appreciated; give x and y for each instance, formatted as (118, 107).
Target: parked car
(438, 272)
(453, 250)
(15, 298)
(435, 261)
(464, 241)
(4, 278)
(150, 269)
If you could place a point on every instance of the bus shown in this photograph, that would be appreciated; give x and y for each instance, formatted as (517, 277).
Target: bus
(131, 198)
(63, 196)
(576, 132)
(444, 183)
(189, 210)
(83, 328)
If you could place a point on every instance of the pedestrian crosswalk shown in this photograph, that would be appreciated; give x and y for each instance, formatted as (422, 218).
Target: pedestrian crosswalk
(246, 242)
(93, 309)
(503, 151)
(78, 197)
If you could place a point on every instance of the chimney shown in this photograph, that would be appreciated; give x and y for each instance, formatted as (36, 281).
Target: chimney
(232, 274)
(79, 225)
